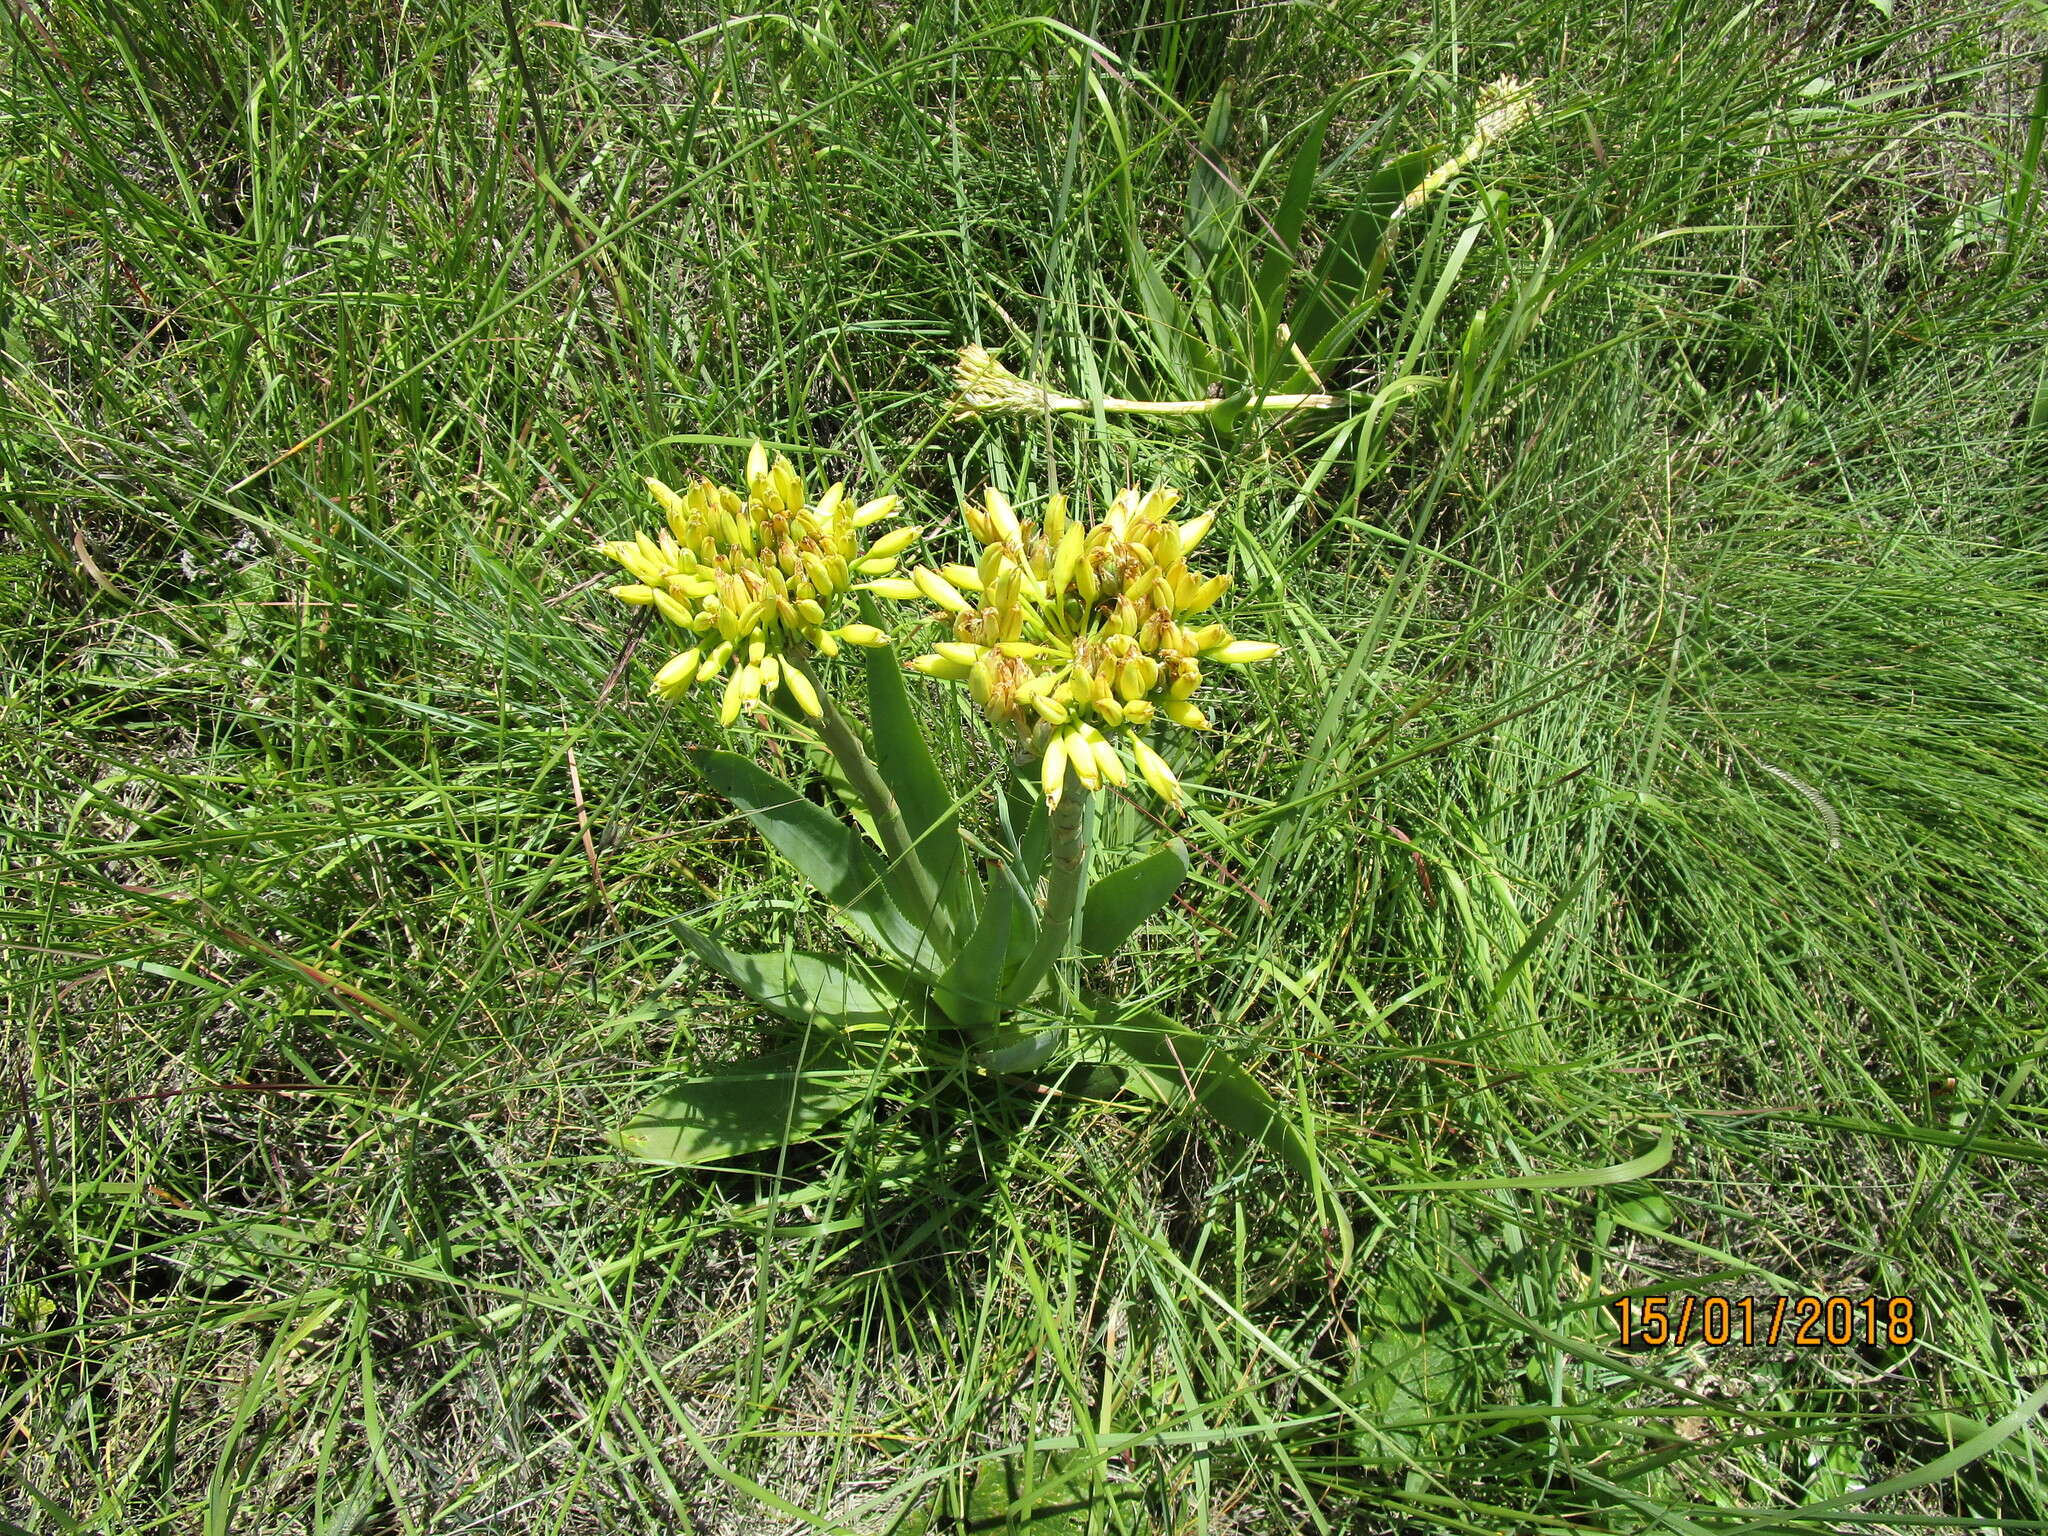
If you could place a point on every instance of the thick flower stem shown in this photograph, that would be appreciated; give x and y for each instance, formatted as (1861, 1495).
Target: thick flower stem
(1113, 406)
(1068, 865)
(844, 743)
(1070, 405)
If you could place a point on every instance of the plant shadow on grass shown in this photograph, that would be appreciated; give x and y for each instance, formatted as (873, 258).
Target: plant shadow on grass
(895, 1151)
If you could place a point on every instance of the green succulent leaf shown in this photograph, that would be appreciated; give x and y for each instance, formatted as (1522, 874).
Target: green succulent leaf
(1346, 277)
(1175, 1066)
(1023, 915)
(1214, 202)
(1118, 903)
(1182, 1068)
(969, 990)
(1027, 828)
(826, 852)
(904, 760)
(748, 1106)
(806, 988)
(1278, 264)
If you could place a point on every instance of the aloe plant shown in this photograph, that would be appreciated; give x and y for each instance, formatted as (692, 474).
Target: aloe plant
(1072, 641)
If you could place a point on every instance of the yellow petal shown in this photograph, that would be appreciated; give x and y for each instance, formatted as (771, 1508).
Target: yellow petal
(1194, 530)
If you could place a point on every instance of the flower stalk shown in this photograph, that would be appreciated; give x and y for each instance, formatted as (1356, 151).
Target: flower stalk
(1067, 866)
(988, 388)
(844, 743)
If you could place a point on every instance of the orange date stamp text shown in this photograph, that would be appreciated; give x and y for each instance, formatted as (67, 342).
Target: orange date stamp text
(1805, 1322)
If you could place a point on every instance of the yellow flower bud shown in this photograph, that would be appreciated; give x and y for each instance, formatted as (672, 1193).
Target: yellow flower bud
(1081, 758)
(737, 689)
(1156, 772)
(1000, 516)
(942, 667)
(801, 690)
(635, 594)
(955, 650)
(1194, 530)
(665, 498)
(1055, 519)
(1202, 595)
(1108, 765)
(1052, 772)
(1066, 561)
(897, 588)
(1084, 580)
(676, 675)
(940, 590)
(1158, 503)
(1242, 653)
(895, 541)
(861, 634)
(966, 577)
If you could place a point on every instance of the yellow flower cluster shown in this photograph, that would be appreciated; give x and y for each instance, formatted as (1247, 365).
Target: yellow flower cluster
(1074, 638)
(756, 577)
